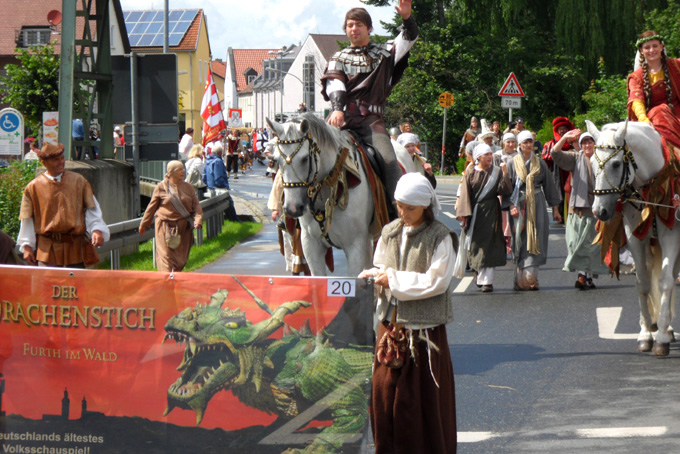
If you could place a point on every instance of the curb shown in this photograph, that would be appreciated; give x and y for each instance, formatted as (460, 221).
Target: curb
(246, 209)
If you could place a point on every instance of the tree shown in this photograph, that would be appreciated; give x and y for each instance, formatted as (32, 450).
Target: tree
(468, 47)
(32, 86)
(606, 98)
(665, 22)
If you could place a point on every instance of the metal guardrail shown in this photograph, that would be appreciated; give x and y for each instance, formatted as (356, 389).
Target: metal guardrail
(126, 233)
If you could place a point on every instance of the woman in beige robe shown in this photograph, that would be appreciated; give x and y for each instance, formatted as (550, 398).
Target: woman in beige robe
(168, 218)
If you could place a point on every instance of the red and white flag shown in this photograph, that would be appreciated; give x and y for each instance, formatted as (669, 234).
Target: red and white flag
(211, 111)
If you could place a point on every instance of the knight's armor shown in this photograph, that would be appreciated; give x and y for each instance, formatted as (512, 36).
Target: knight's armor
(368, 73)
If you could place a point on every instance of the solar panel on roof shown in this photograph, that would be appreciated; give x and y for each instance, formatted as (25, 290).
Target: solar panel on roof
(145, 28)
(134, 40)
(158, 40)
(145, 40)
(155, 27)
(181, 27)
(148, 16)
(189, 14)
(174, 39)
(133, 16)
(140, 28)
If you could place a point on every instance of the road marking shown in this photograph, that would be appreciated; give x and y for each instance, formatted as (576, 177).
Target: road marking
(475, 437)
(609, 432)
(451, 215)
(623, 432)
(607, 320)
(463, 284)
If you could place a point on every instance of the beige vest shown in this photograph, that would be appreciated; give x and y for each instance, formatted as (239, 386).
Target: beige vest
(421, 244)
(58, 207)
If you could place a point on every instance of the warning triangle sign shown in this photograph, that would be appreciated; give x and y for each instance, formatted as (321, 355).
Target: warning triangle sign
(511, 87)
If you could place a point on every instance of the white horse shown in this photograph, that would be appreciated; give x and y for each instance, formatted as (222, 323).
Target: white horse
(310, 155)
(627, 155)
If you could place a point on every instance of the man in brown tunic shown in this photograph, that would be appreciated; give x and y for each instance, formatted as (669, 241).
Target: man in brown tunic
(58, 208)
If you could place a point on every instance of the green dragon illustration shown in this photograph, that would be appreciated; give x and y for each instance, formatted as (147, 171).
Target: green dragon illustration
(282, 376)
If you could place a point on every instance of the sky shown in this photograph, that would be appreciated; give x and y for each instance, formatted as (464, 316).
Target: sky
(267, 24)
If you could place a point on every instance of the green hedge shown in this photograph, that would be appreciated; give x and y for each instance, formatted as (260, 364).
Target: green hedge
(13, 180)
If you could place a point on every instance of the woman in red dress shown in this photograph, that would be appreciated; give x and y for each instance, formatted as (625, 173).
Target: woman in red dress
(654, 88)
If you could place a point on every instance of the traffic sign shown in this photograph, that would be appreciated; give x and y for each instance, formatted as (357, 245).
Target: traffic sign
(11, 132)
(511, 87)
(9, 121)
(511, 103)
(446, 100)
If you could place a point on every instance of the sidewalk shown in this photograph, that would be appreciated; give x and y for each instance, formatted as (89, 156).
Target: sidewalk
(259, 254)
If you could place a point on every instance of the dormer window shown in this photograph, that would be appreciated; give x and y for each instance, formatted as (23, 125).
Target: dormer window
(33, 36)
(251, 75)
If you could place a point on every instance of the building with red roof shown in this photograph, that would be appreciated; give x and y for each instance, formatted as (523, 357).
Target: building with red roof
(188, 39)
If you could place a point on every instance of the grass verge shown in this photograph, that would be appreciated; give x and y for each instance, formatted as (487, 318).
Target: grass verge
(232, 234)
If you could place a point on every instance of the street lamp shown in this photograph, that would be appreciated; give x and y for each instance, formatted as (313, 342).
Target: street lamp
(280, 54)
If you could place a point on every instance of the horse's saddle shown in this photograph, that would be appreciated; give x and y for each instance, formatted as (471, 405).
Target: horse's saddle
(371, 155)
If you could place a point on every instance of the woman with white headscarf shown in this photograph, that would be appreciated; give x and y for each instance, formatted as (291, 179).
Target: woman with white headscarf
(583, 256)
(175, 204)
(479, 211)
(410, 142)
(506, 155)
(413, 406)
(533, 188)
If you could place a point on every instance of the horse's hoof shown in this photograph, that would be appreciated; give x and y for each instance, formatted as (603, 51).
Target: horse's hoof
(653, 327)
(661, 349)
(644, 345)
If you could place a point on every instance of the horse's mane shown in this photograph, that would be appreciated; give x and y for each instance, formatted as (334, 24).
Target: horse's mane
(642, 128)
(641, 138)
(326, 136)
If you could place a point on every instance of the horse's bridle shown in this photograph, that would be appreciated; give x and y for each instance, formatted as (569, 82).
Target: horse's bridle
(628, 161)
(313, 186)
(314, 154)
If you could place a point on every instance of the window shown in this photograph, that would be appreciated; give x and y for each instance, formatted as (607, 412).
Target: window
(308, 76)
(33, 36)
(251, 75)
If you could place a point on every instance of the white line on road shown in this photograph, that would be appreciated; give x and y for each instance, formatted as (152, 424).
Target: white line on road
(609, 432)
(463, 284)
(475, 437)
(623, 432)
(607, 320)
(451, 215)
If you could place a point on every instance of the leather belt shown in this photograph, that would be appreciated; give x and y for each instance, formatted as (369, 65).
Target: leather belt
(63, 237)
(363, 109)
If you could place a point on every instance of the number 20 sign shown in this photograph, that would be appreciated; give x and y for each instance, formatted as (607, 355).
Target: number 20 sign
(341, 287)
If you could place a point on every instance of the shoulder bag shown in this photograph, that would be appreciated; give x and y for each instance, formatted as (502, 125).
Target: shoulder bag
(172, 236)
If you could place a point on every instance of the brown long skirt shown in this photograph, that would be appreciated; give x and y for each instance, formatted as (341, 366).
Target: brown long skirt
(409, 413)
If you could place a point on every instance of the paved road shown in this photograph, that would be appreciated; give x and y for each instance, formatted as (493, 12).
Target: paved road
(548, 371)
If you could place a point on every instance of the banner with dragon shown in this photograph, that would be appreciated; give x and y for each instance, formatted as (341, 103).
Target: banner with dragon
(124, 362)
